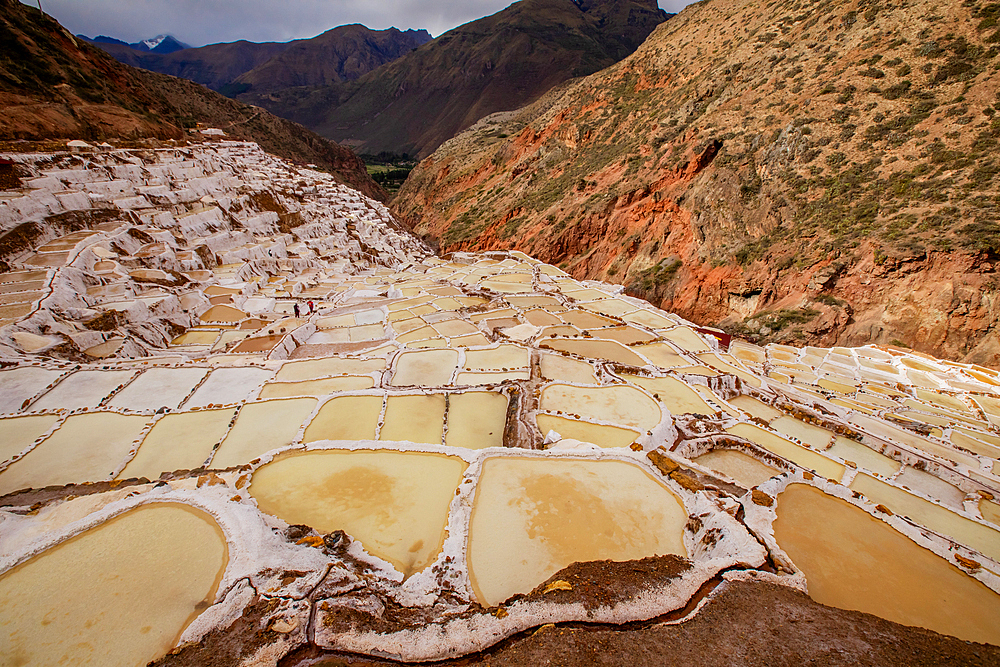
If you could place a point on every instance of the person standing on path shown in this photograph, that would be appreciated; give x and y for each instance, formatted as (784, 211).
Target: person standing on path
(312, 307)
(296, 309)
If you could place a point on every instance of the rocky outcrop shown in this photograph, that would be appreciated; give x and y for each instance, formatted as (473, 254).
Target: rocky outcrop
(824, 174)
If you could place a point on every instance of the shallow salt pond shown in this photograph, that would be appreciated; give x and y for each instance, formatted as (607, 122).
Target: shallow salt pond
(261, 427)
(595, 349)
(864, 457)
(18, 433)
(789, 450)
(618, 404)
(346, 418)
(939, 519)
(854, 561)
(416, 418)
(741, 467)
(86, 448)
(678, 397)
(432, 368)
(558, 367)
(395, 503)
(158, 387)
(316, 368)
(118, 594)
(476, 419)
(319, 387)
(19, 384)
(83, 389)
(500, 358)
(534, 516)
(181, 441)
(598, 434)
(226, 386)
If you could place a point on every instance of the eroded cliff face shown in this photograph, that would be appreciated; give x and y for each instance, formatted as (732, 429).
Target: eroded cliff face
(812, 172)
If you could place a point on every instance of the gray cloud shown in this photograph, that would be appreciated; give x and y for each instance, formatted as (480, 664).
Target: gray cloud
(200, 22)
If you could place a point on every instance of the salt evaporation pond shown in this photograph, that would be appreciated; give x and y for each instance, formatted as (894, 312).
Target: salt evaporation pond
(118, 594)
(853, 561)
(395, 503)
(741, 467)
(86, 448)
(535, 516)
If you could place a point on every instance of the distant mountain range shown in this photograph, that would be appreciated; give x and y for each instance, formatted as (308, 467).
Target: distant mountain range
(337, 55)
(497, 63)
(54, 86)
(401, 91)
(158, 44)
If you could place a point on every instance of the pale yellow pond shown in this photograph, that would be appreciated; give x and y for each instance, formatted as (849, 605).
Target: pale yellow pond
(534, 516)
(854, 561)
(743, 468)
(598, 434)
(86, 448)
(119, 594)
(395, 503)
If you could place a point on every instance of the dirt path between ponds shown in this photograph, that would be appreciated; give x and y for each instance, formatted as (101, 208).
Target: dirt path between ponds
(745, 624)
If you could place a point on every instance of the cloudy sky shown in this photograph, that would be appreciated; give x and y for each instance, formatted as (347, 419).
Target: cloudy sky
(200, 22)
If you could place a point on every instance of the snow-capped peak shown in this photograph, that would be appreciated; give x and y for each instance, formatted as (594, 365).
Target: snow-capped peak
(154, 42)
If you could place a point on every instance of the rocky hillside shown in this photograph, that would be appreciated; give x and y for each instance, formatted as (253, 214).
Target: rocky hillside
(54, 86)
(819, 172)
(340, 54)
(497, 63)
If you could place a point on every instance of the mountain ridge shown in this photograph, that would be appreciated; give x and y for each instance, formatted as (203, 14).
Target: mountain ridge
(823, 174)
(496, 63)
(337, 54)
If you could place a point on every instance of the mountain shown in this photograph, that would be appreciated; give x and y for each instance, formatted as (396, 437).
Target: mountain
(497, 63)
(53, 86)
(339, 54)
(342, 54)
(814, 172)
(159, 44)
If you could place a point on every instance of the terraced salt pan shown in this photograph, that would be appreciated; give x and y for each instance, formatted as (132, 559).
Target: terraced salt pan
(743, 468)
(677, 396)
(854, 561)
(476, 419)
(182, 441)
(616, 404)
(534, 516)
(502, 357)
(430, 368)
(118, 594)
(86, 448)
(18, 433)
(789, 450)
(864, 457)
(884, 430)
(809, 434)
(319, 387)
(598, 434)
(939, 519)
(20, 384)
(311, 369)
(158, 387)
(415, 418)
(395, 503)
(346, 418)
(261, 427)
(595, 349)
(558, 367)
